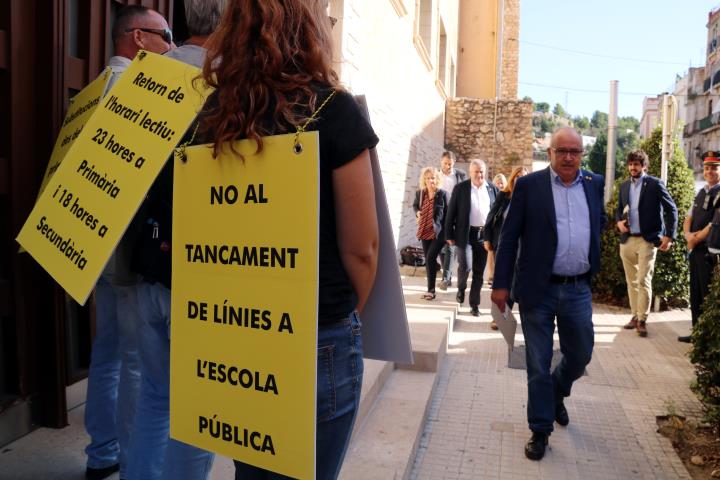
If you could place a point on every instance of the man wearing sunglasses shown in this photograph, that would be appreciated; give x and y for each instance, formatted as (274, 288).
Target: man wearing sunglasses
(114, 375)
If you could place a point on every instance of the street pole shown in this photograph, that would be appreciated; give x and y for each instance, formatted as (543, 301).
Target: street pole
(668, 125)
(612, 141)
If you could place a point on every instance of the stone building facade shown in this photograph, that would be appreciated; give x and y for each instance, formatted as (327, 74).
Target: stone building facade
(510, 49)
(406, 57)
(499, 132)
(402, 55)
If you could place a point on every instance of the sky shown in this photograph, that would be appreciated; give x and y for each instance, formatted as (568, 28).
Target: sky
(644, 44)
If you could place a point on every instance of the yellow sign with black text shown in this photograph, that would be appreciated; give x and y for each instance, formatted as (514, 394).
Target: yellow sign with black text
(79, 111)
(104, 176)
(81, 108)
(244, 303)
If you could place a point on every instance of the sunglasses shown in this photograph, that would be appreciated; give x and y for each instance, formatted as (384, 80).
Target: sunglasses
(165, 33)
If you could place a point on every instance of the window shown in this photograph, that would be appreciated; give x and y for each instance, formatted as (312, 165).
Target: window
(442, 52)
(442, 73)
(399, 6)
(423, 30)
(425, 23)
(451, 82)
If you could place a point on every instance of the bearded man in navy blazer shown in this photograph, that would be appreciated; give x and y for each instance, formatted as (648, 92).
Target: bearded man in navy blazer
(647, 219)
(551, 239)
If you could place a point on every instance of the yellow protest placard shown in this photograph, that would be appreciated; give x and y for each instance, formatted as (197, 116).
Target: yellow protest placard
(244, 303)
(94, 193)
(80, 110)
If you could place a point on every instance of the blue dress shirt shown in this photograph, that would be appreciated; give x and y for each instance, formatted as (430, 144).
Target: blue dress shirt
(634, 216)
(572, 256)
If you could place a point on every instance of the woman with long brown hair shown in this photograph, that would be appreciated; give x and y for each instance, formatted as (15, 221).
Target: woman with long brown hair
(270, 65)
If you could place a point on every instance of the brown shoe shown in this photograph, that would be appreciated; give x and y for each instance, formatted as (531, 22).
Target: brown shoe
(641, 329)
(493, 325)
(632, 324)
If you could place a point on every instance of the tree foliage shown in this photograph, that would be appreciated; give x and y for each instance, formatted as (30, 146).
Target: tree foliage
(599, 120)
(626, 142)
(543, 107)
(705, 354)
(672, 275)
(671, 278)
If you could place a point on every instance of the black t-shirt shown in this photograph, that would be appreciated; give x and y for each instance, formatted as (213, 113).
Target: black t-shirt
(344, 134)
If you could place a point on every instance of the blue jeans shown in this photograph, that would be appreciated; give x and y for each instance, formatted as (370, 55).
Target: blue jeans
(571, 305)
(447, 254)
(114, 376)
(339, 380)
(153, 455)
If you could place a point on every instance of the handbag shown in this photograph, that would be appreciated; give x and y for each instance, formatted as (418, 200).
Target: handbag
(412, 256)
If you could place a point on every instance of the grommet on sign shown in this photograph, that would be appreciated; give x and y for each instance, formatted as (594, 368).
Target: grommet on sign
(297, 146)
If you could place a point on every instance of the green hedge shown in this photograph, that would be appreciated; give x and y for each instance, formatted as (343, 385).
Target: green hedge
(705, 354)
(671, 278)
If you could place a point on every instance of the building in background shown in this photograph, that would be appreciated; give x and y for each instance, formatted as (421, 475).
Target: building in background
(702, 103)
(431, 71)
(418, 62)
(486, 120)
(650, 116)
(691, 108)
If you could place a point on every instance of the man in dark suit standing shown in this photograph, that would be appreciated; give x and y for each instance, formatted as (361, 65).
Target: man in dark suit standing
(469, 205)
(647, 219)
(557, 214)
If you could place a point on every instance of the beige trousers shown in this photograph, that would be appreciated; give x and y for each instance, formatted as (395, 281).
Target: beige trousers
(638, 258)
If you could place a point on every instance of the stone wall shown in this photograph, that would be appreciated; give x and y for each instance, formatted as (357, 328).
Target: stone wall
(473, 131)
(510, 50)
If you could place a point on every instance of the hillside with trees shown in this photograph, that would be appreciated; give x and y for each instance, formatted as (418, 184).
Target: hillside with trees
(547, 119)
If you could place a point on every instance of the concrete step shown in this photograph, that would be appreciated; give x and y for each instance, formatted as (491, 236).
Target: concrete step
(375, 376)
(429, 342)
(385, 446)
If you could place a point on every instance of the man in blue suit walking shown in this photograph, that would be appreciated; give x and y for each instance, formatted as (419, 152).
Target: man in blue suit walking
(647, 219)
(551, 239)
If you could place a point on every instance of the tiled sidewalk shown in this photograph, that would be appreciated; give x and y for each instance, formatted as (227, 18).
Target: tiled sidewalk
(477, 426)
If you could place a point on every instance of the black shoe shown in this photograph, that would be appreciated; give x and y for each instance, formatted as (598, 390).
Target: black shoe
(100, 473)
(475, 311)
(460, 297)
(561, 414)
(535, 447)
(685, 339)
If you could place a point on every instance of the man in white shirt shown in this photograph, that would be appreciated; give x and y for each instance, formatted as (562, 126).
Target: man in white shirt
(469, 206)
(450, 177)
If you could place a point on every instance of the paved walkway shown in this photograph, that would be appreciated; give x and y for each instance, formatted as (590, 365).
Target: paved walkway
(477, 425)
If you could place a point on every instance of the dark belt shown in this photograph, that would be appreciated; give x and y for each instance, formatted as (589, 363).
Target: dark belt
(636, 234)
(570, 279)
(476, 228)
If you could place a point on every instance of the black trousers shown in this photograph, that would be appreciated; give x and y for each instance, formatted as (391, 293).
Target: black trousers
(431, 249)
(701, 270)
(472, 256)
